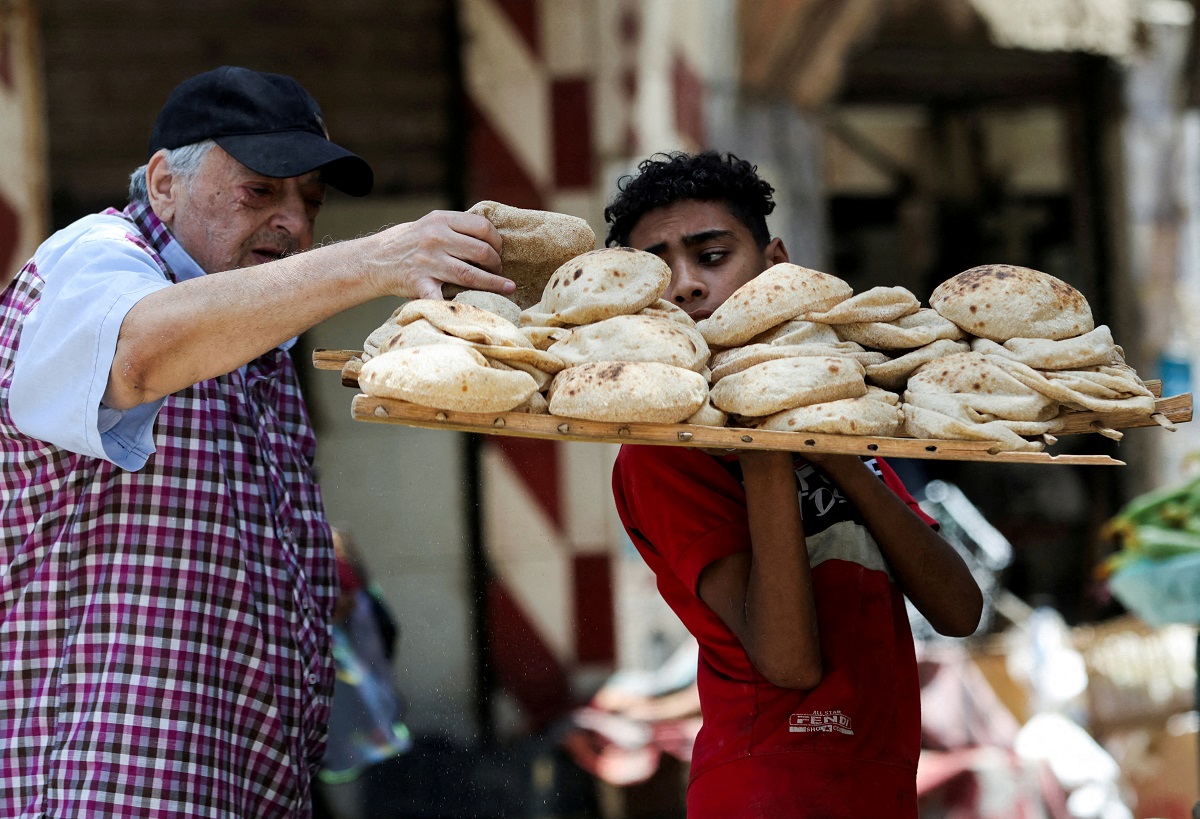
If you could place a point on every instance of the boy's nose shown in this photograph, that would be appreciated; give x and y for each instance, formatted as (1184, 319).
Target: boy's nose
(685, 286)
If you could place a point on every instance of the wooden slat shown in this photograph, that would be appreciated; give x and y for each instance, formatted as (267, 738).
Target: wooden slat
(523, 425)
(1177, 409)
(333, 359)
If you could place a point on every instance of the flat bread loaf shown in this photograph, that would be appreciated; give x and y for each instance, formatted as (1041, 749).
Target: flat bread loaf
(906, 333)
(600, 284)
(503, 307)
(445, 376)
(1110, 388)
(1001, 302)
(781, 384)
(464, 321)
(416, 334)
(708, 415)
(893, 374)
(870, 414)
(638, 337)
(797, 331)
(1088, 350)
(923, 422)
(876, 304)
(978, 383)
(779, 293)
(736, 359)
(535, 243)
(635, 392)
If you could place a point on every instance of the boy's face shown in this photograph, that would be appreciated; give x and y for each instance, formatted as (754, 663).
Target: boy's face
(710, 253)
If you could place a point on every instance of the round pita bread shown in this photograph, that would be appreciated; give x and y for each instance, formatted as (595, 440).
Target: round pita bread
(633, 392)
(664, 309)
(1000, 302)
(708, 416)
(876, 304)
(920, 422)
(421, 332)
(535, 243)
(600, 284)
(417, 334)
(977, 382)
(381, 335)
(893, 374)
(1088, 350)
(464, 321)
(445, 376)
(543, 337)
(522, 358)
(1111, 388)
(505, 308)
(865, 415)
(906, 333)
(736, 359)
(638, 337)
(781, 384)
(797, 331)
(540, 377)
(779, 293)
(535, 405)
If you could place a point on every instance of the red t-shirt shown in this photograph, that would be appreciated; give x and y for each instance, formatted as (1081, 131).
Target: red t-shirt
(847, 748)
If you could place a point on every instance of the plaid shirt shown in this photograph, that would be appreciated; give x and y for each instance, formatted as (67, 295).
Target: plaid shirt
(164, 639)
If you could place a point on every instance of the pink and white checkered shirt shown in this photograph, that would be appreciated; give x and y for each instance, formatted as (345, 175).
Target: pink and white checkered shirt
(164, 641)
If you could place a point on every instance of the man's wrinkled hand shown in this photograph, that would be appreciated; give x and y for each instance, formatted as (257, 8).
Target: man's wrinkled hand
(415, 259)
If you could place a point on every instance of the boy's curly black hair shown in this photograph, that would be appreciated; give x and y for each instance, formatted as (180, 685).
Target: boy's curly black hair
(708, 176)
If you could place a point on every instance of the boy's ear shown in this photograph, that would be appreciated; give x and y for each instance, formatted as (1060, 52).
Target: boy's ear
(775, 253)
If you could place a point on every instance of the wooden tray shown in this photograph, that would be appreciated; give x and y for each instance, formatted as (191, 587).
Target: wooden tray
(1173, 410)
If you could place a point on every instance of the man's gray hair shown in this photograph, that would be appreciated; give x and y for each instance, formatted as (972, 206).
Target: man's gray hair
(182, 162)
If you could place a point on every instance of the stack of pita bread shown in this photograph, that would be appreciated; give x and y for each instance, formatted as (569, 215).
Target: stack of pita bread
(454, 355)
(467, 354)
(1000, 354)
(1036, 353)
(628, 355)
(780, 364)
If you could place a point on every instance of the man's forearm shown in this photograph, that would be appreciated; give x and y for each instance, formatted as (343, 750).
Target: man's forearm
(208, 326)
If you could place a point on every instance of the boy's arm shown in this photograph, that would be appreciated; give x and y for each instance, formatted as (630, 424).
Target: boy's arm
(765, 596)
(928, 569)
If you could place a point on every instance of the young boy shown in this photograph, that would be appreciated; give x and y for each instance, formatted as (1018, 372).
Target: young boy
(790, 571)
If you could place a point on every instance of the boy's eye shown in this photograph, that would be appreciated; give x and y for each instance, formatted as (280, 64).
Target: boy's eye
(711, 256)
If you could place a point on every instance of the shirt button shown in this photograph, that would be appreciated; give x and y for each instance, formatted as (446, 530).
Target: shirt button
(312, 679)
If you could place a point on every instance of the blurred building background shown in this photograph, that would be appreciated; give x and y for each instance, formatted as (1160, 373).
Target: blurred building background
(908, 140)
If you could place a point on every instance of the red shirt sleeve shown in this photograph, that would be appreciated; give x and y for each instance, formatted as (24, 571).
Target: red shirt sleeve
(896, 485)
(681, 505)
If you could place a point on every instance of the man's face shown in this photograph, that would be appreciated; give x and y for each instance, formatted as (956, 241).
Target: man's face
(711, 254)
(232, 217)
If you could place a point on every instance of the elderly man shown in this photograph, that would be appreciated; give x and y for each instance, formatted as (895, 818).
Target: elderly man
(166, 569)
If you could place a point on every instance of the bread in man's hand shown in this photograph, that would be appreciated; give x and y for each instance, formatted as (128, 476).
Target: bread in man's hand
(535, 244)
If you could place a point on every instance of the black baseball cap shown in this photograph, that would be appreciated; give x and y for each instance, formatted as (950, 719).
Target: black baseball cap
(268, 122)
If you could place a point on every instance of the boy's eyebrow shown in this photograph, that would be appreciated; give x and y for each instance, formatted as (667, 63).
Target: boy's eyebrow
(692, 239)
